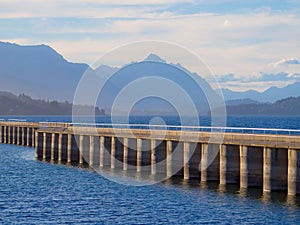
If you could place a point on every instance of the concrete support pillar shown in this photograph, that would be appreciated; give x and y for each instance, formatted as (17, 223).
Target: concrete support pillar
(92, 150)
(112, 152)
(1, 139)
(23, 136)
(36, 140)
(69, 148)
(153, 157)
(243, 167)
(33, 137)
(186, 157)
(52, 146)
(223, 165)
(8, 135)
(125, 154)
(293, 172)
(267, 169)
(18, 135)
(169, 158)
(101, 153)
(44, 146)
(37, 146)
(139, 155)
(13, 136)
(5, 134)
(28, 136)
(204, 161)
(60, 147)
(80, 149)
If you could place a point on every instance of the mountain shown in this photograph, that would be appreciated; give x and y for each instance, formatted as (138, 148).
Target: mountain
(270, 95)
(283, 107)
(151, 84)
(25, 105)
(38, 71)
(245, 101)
(155, 58)
(42, 73)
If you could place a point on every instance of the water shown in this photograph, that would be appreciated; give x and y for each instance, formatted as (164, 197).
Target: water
(277, 122)
(33, 192)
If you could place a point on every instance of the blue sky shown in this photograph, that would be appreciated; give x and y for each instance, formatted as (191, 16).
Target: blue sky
(248, 44)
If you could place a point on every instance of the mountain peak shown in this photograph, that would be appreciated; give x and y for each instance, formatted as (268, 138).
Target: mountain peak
(153, 57)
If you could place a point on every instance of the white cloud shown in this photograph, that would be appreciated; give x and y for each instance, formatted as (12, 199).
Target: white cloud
(282, 62)
(241, 44)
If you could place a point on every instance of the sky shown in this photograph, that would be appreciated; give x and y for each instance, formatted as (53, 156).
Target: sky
(247, 44)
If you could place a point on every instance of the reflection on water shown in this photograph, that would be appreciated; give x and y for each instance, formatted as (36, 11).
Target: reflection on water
(132, 177)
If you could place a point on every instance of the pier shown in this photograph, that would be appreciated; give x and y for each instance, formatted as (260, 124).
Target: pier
(264, 158)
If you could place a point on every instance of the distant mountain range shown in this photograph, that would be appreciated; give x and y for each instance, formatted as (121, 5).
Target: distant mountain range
(38, 71)
(25, 105)
(288, 106)
(42, 73)
(270, 95)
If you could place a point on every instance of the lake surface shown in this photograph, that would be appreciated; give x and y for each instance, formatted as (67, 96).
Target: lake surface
(34, 192)
(276, 122)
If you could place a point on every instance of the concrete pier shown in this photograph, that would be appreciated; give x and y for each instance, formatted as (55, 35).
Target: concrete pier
(113, 153)
(293, 172)
(186, 158)
(153, 157)
(267, 161)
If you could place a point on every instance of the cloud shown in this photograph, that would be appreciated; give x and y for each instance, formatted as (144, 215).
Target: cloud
(227, 78)
(236, 44)
(272, 77)
(260, 77)
(282, 62)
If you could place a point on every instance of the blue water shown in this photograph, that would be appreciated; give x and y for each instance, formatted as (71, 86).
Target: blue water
(277, 122)
(33, 192)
